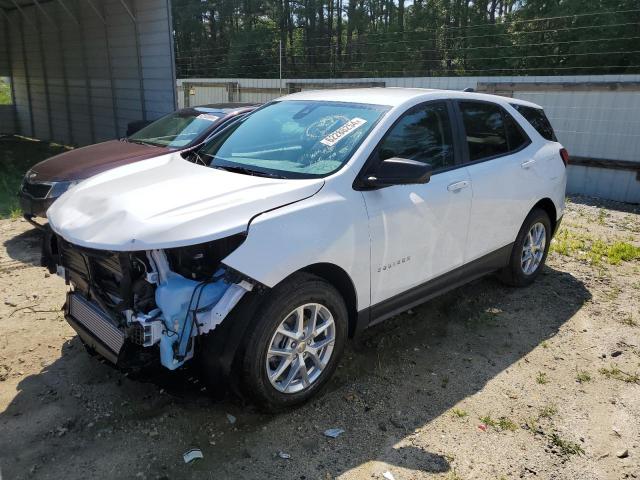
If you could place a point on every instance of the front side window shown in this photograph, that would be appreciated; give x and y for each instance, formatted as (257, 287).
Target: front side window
(178, 129)
(422, 134)
(294, 138)
(485, 130)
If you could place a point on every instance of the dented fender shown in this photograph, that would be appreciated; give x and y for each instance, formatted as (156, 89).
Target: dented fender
(328, 227)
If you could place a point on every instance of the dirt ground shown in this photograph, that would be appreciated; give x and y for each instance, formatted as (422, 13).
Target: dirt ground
(487, 382)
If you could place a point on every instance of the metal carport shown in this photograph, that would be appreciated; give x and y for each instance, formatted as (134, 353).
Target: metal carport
(81, 70)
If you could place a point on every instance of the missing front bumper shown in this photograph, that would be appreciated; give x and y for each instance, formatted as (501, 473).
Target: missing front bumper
(94, 326)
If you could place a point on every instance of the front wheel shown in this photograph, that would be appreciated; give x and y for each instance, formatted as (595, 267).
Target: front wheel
(295, 344)
(529, 250)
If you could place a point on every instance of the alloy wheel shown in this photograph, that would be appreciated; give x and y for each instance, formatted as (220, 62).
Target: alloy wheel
(301, 348)
(533, 248)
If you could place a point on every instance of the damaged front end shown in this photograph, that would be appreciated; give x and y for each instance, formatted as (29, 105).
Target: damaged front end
(156, 299)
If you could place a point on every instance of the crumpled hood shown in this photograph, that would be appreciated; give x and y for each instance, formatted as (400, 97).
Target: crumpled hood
(167, 202)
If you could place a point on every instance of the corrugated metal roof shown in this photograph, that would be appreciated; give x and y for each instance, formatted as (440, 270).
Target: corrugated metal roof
(11, 4)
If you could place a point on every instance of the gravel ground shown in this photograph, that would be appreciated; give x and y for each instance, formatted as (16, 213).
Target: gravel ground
(487, 382)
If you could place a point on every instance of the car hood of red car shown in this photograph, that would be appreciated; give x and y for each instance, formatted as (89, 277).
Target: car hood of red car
(85, 162)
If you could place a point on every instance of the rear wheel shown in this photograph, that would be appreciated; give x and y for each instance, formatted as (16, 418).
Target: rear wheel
(529, 250)
(295, 343)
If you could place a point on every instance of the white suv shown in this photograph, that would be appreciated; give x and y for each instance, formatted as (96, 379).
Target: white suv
(316, 216)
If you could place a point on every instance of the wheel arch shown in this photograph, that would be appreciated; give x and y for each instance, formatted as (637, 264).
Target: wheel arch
(341, 280)
(549, 207)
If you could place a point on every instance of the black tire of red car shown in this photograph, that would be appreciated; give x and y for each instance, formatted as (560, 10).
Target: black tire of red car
(297, 290)
(514, 275)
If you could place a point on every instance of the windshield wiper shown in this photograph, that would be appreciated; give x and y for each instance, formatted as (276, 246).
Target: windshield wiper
(247, 171)
(140, 142)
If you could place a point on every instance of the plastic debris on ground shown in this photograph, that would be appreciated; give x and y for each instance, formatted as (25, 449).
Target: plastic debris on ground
(284, 455)
(333, 432)
(192, 455)
(231, 418)
(388, 476)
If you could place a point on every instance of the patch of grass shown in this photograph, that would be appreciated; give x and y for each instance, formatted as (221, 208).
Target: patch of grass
(507, 424)
(531, 424)
(488, 421)
(567, 243)
(583, 376)
(544, 344)
(458, 412)
(566, 447)
(584, 247)
(15, 213)
(541, 378)
(617, 374)
(453, 475)
(5, 92)
(627, 319)
(503, 423)
(613, 293)
(602, 216)
(17, 155)
(622, 251)
(547, 411)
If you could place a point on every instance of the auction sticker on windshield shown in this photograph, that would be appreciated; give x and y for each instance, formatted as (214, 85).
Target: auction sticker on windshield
(346, 129)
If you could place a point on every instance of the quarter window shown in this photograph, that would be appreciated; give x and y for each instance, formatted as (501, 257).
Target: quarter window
(538, 120)
(422, 134)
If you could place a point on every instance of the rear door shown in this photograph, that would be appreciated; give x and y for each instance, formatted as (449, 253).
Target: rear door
(418, 232)
(501, 168)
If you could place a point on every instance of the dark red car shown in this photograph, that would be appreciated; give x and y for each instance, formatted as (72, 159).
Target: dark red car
(179, 131)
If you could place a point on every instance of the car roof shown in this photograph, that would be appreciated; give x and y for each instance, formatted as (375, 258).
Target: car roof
(223, 108)
(395, 96)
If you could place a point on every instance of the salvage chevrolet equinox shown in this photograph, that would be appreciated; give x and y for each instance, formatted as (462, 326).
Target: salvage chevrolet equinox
(314, 217)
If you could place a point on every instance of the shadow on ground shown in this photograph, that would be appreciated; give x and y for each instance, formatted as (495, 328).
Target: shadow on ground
(78, 418)
(25, 247)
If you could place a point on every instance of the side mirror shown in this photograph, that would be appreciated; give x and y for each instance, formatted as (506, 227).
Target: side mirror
(397, 171)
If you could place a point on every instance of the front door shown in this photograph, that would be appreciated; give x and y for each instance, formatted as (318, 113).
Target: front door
(418, 232)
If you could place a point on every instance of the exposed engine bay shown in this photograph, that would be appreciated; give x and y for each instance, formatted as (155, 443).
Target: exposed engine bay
(153, 299)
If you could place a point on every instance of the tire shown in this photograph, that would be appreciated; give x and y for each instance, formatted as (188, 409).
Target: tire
(279, 312)
(517, 274)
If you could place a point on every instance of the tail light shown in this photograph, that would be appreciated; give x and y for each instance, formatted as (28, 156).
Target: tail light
(565, 156)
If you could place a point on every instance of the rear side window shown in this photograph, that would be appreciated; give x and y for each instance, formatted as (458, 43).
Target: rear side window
(538, 120)
(491, 131)
(422, 134)
(485, 130)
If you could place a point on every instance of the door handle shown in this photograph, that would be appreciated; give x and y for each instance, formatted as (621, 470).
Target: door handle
(528, 163)
(456, 186)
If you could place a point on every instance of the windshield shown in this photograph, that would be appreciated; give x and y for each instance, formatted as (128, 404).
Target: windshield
(294, 139)
(177, 129)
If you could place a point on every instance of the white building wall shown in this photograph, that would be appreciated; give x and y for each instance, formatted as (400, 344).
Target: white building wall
(595, 124)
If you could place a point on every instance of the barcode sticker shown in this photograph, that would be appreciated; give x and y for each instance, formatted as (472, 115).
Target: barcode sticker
(337, 135)
(209, 117)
